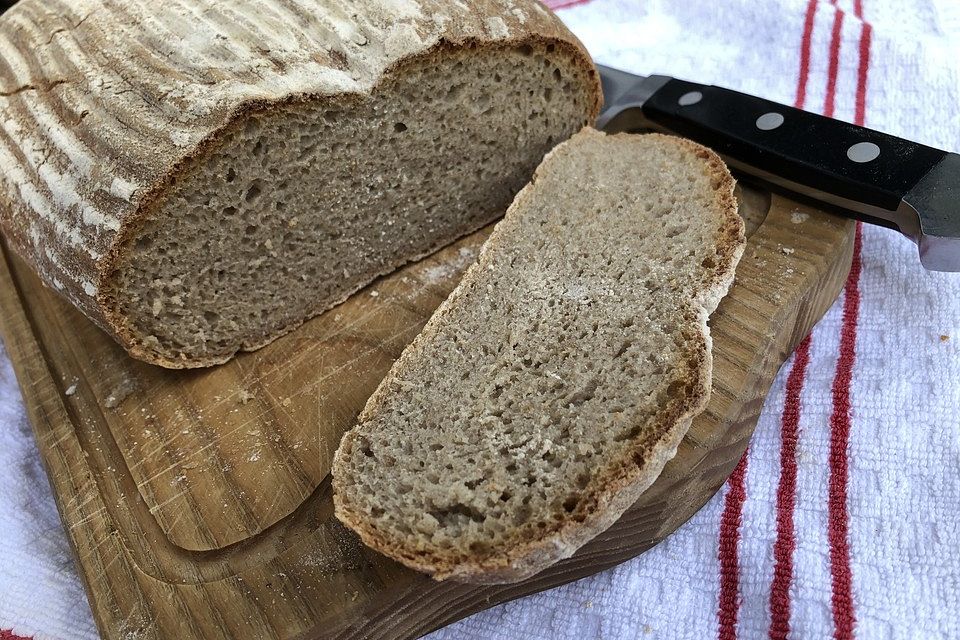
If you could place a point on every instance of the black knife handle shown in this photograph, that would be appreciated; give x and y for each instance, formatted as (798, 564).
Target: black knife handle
(814, 151)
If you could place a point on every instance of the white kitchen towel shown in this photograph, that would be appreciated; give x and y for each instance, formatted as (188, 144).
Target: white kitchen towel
(844, 518)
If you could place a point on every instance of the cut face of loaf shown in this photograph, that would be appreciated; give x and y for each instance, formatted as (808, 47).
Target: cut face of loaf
(200, 177)
(302, 205)
(554, 384)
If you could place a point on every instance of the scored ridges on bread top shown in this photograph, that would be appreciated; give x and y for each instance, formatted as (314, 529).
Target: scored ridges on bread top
(104, 105)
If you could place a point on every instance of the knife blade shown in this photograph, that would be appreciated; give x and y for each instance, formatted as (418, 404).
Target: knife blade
(855, 171)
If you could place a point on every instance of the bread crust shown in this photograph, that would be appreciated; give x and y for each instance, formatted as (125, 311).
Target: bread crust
(104, 106)
(610, 494)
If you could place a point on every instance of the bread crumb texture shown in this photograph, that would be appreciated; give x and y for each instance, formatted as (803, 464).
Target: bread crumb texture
(554, 384)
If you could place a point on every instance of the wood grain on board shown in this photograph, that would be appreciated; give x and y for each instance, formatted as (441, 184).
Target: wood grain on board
(198, 502)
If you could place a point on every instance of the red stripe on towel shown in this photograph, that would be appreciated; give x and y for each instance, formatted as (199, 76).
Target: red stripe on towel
(729, 551)
(732, 517)
(866, 36)
(838, 522)
(829, 101)
(805, 42)
(838, 515)
(785, 542)
(787, 496)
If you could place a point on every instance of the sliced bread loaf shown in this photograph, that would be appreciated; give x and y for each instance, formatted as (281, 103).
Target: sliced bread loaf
(549, 390)
(200, 176)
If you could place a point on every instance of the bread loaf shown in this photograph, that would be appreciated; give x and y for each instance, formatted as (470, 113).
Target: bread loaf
(553, 385)
(199, 177)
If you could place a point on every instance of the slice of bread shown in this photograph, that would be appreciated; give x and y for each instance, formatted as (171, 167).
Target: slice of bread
(558, 379)
(199, 177)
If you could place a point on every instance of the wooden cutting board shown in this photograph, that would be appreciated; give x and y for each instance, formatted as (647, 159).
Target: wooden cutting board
(198, 503)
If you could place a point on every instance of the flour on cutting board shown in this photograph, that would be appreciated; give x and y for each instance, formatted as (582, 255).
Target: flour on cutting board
(439, 273)
(120, 393)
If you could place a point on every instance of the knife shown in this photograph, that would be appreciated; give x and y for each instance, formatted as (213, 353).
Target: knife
(857, 172)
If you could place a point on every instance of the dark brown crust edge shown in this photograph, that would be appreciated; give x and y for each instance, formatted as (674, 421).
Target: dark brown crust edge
(117, 325)
(610, 493)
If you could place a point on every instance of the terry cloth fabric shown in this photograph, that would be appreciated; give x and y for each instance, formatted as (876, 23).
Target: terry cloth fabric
(843, 519)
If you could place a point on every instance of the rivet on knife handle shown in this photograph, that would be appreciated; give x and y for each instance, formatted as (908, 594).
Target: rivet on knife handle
(870, 175)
